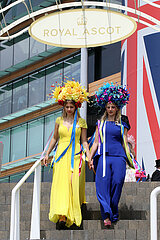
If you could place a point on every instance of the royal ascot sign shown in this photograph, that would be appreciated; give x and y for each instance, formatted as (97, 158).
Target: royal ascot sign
(82, 28)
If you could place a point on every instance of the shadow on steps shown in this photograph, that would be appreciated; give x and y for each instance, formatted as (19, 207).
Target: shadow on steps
(125, 213)
(128, 213)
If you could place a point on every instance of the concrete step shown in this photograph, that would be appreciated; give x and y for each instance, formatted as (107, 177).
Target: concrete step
(92, 229)
(97, 235)
(133, 209)
(94, 234)
(126, 230)
(107, 234)
(130, 193)
(89, 212)
(86, 225)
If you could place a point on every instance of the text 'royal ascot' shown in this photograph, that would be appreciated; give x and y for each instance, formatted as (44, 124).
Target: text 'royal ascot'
(74, 32)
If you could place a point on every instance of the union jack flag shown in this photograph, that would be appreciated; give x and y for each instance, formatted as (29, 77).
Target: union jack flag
(141, 72)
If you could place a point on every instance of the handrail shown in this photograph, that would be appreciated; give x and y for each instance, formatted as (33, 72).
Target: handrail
(15, 205)
(15, 202)
(153, 213)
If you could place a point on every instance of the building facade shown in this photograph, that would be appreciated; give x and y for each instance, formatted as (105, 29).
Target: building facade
(27, 70)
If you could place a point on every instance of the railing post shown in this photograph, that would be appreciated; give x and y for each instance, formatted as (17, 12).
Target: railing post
(15, 204)
(15, 216)
(12, 222)
(153, 213)
(35, 219)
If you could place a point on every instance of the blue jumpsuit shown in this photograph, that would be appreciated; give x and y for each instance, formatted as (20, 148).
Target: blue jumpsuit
(109, 187)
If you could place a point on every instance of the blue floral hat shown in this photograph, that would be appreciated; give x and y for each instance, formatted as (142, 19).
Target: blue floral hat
(111, 93)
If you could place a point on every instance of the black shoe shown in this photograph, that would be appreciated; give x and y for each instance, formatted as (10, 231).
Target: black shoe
(61, 225)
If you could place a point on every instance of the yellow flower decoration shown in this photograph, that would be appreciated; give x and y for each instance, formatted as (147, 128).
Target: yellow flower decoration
(56, 92)
(70, 91)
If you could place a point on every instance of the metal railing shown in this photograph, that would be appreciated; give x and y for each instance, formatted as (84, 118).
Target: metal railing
(15, 201)
(153, 213)
(15, 205)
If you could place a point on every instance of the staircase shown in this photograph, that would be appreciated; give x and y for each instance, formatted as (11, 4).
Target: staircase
(133, 208)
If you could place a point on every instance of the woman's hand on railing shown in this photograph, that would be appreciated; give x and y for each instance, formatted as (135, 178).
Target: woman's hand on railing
(45, 160)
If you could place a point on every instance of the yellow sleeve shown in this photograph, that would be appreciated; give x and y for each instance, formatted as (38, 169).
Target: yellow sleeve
(58, 120)
(82, 123)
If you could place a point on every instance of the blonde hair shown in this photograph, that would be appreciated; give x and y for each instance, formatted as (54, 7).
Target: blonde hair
(117, 117)
(64, 114)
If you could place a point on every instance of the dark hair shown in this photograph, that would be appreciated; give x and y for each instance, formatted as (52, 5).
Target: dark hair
(125, 119)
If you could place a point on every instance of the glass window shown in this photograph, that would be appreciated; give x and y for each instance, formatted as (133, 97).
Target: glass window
(21, 48)
(36, 88)
(76, 71)
(67, 71)
(91, 64)
(110, 65)
(36, 47)
(5, 100)
(8, 16)
(49, 124)
(46, 174)
(18, 142)
(20, 93)
(6, 55)
(36, 2)
(30, 178)
(53, 78)
(117, 1)
(19, 10)
(5, 139)
(35, 137)
(4, 180)
(16, 177)
(49, 47)
(72, 68)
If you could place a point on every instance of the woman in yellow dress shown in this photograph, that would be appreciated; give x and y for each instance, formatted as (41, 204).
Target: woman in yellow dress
(68, 185)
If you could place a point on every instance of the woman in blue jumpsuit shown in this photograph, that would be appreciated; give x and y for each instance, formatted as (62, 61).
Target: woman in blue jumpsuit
(109, 159)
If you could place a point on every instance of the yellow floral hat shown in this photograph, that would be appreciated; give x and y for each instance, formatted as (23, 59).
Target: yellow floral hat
(70, 91)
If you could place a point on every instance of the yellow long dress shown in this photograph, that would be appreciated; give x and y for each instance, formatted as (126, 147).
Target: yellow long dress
(68, 189)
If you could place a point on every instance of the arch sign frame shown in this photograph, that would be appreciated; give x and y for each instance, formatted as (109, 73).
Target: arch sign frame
(81, 28)
(137, 16)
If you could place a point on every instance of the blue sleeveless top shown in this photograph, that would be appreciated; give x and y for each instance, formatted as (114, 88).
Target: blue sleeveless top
(114, 141)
